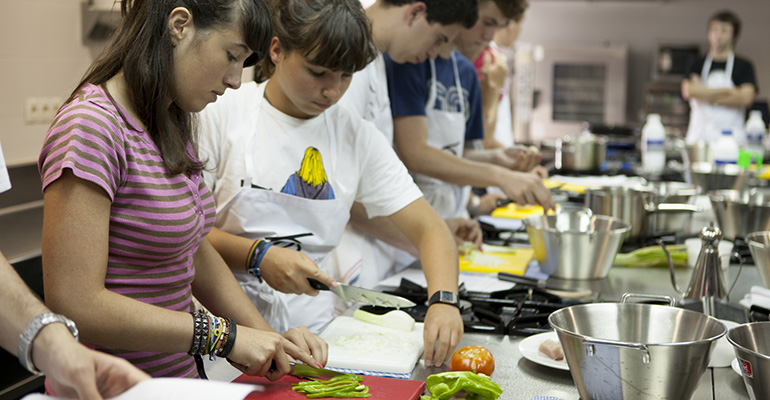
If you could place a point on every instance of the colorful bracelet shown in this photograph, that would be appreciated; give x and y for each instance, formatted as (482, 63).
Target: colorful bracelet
(256, 253)
(230, 341)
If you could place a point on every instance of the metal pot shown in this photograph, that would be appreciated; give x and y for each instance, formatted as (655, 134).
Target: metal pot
(574, 244)
(636, 205)
(739, 213)
(673, 193)
(634, 350)
(581, 153)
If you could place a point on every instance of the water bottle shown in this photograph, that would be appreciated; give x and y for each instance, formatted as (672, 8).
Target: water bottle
(726, 149)
(755, 139)
(653, 145)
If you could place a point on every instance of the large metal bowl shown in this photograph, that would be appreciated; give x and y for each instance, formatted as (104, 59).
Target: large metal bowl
(751, 343)
(635, 351)
(711, 177)
(741, 212)
(759, 245)
(574, 244)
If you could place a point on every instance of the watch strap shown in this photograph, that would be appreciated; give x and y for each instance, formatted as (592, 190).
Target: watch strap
(444, 297)
(27, 337)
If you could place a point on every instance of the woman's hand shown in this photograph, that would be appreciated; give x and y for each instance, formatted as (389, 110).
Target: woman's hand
(442, 334)
(303, 345)
(259, 353)
(78, 372)
(287, 270)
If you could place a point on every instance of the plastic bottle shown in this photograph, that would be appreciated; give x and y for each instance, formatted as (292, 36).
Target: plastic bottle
(653, 145)
(755, 138)
(726, 149)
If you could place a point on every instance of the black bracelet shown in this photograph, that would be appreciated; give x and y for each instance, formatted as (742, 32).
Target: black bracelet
(197, 333)
(228, 347)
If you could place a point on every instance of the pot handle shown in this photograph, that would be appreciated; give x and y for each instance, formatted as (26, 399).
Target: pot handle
(672, 207)
(590, 344)
(670, 300)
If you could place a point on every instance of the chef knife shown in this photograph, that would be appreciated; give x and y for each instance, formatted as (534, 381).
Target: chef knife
(363, 296)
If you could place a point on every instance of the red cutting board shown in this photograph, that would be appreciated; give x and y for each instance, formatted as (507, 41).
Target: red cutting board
(380, 388)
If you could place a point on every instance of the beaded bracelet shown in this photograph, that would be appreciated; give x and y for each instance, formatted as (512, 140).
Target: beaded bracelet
(228, 346)
(256, 253)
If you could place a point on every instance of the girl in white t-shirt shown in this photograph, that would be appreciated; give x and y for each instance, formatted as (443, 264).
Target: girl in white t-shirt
(285, 166)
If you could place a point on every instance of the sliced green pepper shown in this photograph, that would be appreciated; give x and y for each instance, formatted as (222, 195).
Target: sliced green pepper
(342, 386)
(444, 385)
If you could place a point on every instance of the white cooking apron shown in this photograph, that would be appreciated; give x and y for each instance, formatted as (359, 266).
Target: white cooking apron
(260, 213)
(707, 121)
(446, 131)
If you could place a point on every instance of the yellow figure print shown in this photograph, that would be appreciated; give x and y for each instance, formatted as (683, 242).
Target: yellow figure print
(310, 181)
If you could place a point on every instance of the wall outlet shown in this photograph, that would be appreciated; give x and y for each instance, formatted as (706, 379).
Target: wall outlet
(41, 110)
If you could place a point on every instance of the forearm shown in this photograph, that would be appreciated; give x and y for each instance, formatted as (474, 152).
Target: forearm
(737, 97)
(381, 228)
(452, 169)
(233, 249)
(437, 247)
(20, 305)
(216, 288)
(491, 156)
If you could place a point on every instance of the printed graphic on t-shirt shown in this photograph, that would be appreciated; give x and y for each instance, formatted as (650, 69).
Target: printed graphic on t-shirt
(310, 181)
(448, 99)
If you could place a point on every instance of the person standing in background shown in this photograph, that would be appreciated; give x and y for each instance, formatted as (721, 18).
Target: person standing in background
(719, 86)
(498, 19)
(409, 31)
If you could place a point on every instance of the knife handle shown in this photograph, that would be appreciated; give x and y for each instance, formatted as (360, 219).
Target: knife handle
(316, 284)
(503, 202)
(506, 276)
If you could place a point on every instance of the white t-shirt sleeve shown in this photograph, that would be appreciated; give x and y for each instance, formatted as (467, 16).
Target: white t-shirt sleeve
(5, 180)
(210, 129)
(385, 186)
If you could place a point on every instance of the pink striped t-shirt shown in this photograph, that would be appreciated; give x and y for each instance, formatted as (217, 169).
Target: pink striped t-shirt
(157, 219)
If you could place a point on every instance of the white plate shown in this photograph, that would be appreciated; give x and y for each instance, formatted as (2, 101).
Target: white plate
(736, 367)
(528, 348)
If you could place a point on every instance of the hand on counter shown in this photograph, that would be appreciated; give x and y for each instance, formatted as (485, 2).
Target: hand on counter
(442, 333)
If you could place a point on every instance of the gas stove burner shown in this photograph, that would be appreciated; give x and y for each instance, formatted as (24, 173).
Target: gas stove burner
(520, 311)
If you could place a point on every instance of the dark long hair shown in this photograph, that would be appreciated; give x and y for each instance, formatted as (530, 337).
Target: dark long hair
(334, 34)
(142, 48)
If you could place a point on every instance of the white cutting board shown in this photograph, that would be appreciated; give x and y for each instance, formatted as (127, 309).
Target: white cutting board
(355, 344)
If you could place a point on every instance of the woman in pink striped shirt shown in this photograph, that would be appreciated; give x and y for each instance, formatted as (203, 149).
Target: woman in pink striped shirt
(126, 208)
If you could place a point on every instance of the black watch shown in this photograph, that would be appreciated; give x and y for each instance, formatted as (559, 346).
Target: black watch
(445, 297)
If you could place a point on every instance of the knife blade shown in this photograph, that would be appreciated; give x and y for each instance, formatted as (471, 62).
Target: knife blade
(306, 371)
(363, 296)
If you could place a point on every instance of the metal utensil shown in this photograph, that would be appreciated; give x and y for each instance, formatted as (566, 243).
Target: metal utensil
(306, 371)
(363, 296)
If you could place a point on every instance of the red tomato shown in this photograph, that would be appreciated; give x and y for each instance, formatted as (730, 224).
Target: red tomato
(473, 358)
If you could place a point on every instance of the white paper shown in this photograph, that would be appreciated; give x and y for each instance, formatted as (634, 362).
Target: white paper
(177, 389)
(474, 282)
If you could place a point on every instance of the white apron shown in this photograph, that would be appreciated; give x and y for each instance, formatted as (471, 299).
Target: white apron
(707, 121)
(259, 213)
(446, 131)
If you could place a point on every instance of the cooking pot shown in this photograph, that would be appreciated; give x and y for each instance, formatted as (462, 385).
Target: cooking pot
(635, 351)
(697, 152)
(639, 206)
(759, 246)
(673, 193)
(580, 153)
(574, 244)
(741, 212)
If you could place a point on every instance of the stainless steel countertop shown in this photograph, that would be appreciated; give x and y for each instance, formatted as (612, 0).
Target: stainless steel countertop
(522, 379)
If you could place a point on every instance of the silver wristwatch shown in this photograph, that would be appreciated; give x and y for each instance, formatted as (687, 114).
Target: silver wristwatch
(30, 332)
(445, 297)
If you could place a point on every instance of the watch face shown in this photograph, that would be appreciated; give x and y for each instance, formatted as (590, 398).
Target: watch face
(448, 297)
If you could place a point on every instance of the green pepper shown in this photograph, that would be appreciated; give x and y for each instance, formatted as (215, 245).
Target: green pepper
(346, 385)
(444, 385)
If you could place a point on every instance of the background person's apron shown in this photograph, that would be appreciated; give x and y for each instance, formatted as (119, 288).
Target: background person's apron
(259, 213)
(446, 131)
(707, 121)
